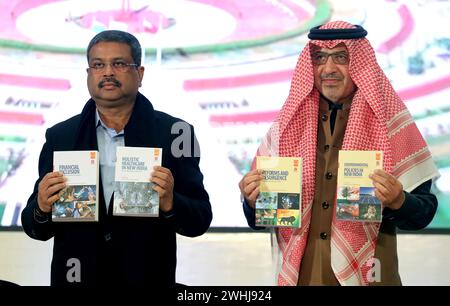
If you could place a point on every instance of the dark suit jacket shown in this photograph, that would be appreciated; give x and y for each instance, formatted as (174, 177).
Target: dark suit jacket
(123, 251)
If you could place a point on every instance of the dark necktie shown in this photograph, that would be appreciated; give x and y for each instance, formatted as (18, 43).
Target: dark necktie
(333, 107)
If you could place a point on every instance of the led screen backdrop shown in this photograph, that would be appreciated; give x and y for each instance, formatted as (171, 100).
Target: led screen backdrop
(224, 66)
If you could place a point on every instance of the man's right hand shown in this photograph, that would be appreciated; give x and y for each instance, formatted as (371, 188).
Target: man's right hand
(48, 190)
(249, 186)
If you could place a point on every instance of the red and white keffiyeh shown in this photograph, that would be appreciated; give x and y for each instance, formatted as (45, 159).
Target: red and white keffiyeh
(378, 120)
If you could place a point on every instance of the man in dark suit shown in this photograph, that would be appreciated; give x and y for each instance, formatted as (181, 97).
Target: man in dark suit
(119, 250)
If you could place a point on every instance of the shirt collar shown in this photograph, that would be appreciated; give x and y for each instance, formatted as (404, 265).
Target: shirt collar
(111, 132)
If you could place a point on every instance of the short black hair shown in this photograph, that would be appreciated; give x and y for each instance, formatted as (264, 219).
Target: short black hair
(120, 37)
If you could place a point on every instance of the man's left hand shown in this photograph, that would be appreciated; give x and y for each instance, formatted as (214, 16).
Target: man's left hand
(163, 180)
(388, 189)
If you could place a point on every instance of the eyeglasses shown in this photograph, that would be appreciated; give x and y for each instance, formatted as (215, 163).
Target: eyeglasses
(339, 58)
(119, 66)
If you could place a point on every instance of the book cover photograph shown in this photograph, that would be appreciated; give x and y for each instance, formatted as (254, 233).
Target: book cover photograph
(133, 191)
(279, 200)
(356, 200)
(78, 201)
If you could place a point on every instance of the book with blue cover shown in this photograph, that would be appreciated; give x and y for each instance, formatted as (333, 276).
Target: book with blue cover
(133, 191)
(78, 200)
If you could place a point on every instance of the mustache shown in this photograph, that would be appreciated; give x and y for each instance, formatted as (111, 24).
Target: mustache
(109, 80)
(330, 76)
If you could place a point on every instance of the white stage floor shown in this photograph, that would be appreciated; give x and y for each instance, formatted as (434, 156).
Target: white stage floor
(225, 259)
